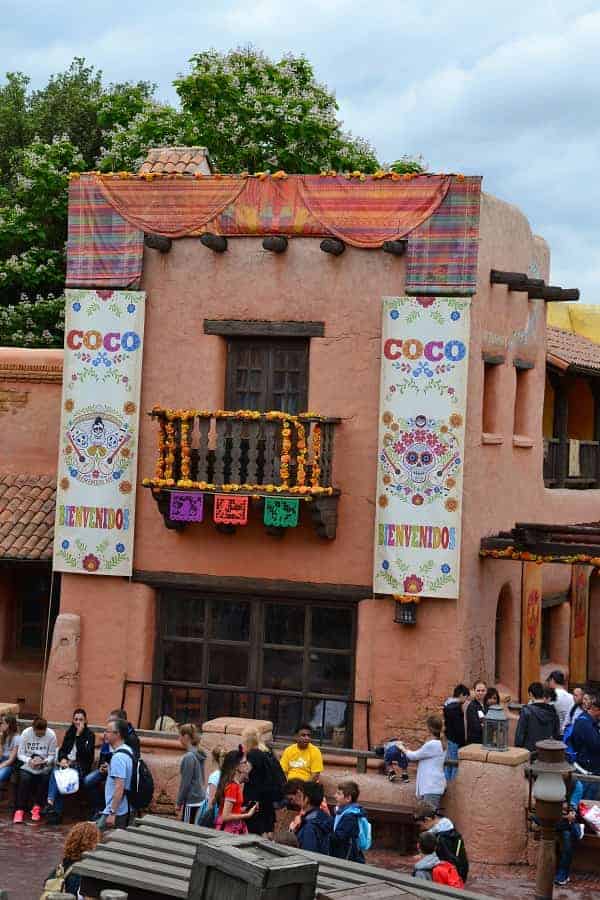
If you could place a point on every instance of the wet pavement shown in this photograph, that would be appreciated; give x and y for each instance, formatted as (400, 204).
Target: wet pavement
(29, 852)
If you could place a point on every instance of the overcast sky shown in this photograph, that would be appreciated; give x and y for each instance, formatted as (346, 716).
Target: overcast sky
(509, 90)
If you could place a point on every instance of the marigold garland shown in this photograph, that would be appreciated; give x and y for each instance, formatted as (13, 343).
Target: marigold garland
(160, 462)
(526, 556)
(170, 458)
(185, 449)
(315, 475)
(301, 455)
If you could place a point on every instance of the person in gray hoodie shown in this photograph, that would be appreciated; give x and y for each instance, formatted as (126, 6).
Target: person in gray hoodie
(429, 860)
(192, 784)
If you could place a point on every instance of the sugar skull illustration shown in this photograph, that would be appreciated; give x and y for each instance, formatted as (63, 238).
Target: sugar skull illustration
(419, 458)
(96, 448)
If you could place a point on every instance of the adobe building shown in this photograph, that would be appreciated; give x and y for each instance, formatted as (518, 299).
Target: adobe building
(264, 295)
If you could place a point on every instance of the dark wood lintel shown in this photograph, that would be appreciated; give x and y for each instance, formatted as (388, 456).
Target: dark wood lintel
(254, 586)
(493, 359)
(262, 328)
(523, 363)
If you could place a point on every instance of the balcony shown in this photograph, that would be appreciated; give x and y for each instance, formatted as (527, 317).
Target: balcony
(245, 454)
(571, 464)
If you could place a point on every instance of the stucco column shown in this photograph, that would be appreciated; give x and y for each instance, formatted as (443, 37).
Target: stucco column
(61, 688)
(487, 802)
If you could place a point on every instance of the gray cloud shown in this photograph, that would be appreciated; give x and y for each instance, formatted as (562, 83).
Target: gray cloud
(506, 89)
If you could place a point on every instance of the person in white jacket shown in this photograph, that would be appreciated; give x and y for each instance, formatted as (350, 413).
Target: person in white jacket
(37, 753)
(430, 757)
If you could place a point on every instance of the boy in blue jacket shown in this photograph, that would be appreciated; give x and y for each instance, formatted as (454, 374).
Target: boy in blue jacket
(344, 840)
(314, 832)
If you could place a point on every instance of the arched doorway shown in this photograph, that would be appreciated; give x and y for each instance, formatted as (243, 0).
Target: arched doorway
(506, 640)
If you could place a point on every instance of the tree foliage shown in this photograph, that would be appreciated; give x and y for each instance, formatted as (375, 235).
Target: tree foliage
(257, 114)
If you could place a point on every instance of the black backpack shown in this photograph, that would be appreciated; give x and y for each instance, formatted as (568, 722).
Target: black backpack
(451, 848)
(276, 776)
(141, 791)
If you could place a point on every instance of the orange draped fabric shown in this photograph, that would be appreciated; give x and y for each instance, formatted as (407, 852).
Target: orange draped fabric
(362, 213)
(173, 207)
(367, 213)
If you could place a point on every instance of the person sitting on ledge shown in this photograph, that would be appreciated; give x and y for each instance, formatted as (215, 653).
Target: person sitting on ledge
(302, 760)
(37, 753)
(76, 752)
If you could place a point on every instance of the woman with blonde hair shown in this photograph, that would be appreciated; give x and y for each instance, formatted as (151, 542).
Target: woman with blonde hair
(265, 783)
(192, 790)
(81, 838)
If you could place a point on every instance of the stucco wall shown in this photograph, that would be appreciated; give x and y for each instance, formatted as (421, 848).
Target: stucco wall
(407, 671)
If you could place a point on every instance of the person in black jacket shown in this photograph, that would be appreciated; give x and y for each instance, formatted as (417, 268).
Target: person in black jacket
(316, 827)
(454, 726)
(538, 721)
(264, 785)
(76, 752)
(476, 713)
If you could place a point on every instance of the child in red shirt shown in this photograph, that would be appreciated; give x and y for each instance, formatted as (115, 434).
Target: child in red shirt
(230, 794)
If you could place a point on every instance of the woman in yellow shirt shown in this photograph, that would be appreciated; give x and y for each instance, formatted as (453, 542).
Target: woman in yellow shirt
(302, 760)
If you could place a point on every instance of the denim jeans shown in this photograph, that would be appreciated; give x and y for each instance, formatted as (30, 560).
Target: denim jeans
(93, 784)
(5, 773)
(583, 791)
(451, 753)
(394, 754)
(566, 853)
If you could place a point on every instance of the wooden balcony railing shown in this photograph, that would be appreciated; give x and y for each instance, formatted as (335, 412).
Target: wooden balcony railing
(571, 464)
(245, 453)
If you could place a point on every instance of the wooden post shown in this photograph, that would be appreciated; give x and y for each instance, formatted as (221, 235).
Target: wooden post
(215, 242)
(561, 428)
(580, 606)
(531, 626)
(333, 246)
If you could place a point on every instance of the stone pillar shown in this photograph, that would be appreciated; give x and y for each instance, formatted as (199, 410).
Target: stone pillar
(61, 689)
(487, 802)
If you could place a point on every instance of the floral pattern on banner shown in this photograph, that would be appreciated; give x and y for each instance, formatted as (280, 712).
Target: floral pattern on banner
(420, 456)
(97, 463)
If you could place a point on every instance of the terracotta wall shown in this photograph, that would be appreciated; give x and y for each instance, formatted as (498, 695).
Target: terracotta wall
(407, 671)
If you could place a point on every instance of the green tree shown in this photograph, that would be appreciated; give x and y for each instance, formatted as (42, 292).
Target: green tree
(33, 216)
(13, 120)
(256, 114)
(155, 125)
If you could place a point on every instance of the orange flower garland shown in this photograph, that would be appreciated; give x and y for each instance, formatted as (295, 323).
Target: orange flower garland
(185, 449)
(316, 450)
(301, 455)
(170, 458)
(160, 462)
(526, 556)
(286, 446)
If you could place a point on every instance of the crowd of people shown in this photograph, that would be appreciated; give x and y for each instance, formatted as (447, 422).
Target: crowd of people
(249, 786)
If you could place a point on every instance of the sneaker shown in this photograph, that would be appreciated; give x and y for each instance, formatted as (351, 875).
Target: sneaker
(19, 817)
(561, 879)
(36, 814)
(391, 777)
(48, 809)
(53, 818)
(405, 778)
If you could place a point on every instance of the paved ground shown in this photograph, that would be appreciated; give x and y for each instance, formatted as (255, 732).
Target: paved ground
(29, 852)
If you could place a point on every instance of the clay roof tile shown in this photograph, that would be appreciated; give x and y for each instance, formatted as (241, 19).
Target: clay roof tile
(568, 349)
(26, 516)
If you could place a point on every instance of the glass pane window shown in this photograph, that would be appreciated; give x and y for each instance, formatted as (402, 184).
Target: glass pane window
(282, 669)
(284, 624)
(184, 617)
(181, 661)
(331, 627)
(230, 621)
(227, 665)
(329, 673)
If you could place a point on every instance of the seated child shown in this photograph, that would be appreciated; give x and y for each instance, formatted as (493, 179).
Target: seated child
(395, 761)
(315, 829)
(344, 840)
(431, 868)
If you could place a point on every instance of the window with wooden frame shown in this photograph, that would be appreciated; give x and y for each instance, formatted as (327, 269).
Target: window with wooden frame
(285, 660)
(266, 374)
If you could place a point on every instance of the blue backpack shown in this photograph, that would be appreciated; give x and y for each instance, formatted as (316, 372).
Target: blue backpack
(365, 832)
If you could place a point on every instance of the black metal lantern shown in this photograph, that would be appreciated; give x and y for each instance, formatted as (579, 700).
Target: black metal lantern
(405, 613)
(495, 729)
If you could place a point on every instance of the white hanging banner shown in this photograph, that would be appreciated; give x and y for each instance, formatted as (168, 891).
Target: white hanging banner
(422, 407)
(97, 460)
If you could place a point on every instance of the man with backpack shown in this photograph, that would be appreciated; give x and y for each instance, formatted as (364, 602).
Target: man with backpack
(351, 828)
(118, 781)
(450, 846)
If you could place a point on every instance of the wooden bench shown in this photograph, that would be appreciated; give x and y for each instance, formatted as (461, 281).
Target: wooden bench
(154, 860)
(394, 826)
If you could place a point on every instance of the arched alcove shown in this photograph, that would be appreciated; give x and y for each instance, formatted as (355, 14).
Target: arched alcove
(506, 649)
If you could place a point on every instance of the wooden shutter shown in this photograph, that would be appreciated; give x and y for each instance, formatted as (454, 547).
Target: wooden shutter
(266, 374)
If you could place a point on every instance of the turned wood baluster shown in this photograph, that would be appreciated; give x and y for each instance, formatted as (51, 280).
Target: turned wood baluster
(255, 427)
(236, 450)
(272, 451)
(222, 428)
(326, 453)
(203, 432)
